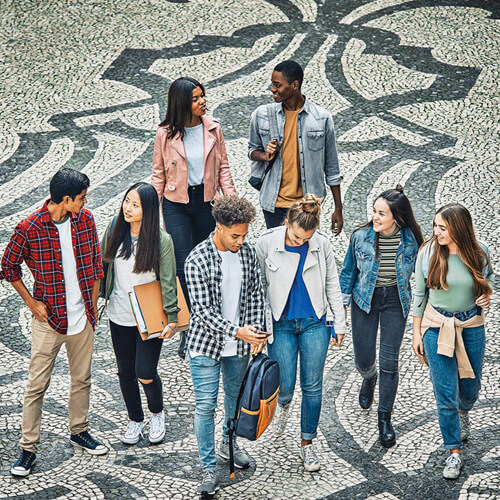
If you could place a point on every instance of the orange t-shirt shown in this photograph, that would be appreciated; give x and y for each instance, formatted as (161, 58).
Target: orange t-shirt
(291, 182)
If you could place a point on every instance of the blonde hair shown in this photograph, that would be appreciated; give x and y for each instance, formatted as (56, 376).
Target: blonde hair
(305, 213)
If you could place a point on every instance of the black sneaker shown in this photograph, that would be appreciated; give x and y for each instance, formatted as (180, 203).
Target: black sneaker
(88, 443)
(24, 463)
(209, 484)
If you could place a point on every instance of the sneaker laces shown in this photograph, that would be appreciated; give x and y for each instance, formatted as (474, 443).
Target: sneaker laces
(85, 436)
(209, 476)
(134, 428)
(24, 458)
(453, 460)
(156, 423)
(310, 456)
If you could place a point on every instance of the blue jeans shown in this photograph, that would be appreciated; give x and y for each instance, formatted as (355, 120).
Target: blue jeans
(453, 393)
(386, 311)
(205, 373)
(310, 338)
(188, 224)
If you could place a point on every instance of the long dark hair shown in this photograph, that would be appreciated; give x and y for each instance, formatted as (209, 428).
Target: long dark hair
(461, 230)
(401, 210)
(147, 255)
(180, 95)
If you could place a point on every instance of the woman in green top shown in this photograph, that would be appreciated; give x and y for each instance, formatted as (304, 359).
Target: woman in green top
(453, 285)
(135, 251)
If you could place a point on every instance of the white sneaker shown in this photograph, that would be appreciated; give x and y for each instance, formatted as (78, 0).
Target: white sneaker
(133, 432)
(452, 466)
(280, 420)
(157, 427)
(309, 457)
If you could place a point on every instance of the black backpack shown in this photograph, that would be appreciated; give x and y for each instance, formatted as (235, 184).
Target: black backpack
(257, 402)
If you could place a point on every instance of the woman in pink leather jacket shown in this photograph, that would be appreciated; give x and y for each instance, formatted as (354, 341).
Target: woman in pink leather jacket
(190, 168)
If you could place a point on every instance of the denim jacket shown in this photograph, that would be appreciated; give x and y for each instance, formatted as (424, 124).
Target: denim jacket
(317, 151)
(360, 269)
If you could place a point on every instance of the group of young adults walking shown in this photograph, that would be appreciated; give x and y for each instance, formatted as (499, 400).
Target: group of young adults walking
(285, 292)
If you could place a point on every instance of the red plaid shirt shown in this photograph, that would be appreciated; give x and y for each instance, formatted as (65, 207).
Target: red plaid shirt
(36, 242)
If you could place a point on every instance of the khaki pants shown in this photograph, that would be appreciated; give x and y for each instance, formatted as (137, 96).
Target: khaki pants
(45, 345)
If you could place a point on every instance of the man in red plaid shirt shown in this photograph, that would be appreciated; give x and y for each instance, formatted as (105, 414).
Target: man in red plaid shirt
(59, 244)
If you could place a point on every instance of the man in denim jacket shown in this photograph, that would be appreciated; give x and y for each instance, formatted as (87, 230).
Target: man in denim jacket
(305, 148)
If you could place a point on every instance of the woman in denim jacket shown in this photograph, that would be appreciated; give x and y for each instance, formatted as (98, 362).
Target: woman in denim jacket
(453, 284)
(303, 294)
(376, 274)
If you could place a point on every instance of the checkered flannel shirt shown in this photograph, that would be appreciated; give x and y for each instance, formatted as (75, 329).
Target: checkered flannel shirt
(207, 325)
(36, 242)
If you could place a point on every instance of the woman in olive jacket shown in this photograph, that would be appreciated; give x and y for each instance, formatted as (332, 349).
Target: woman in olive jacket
(136, 251)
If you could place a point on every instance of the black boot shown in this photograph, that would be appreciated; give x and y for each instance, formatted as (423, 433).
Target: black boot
(385, 429)
(366, 392)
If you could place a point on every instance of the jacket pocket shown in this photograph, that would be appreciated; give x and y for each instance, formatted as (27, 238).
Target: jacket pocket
(271, 266)
(315, 139)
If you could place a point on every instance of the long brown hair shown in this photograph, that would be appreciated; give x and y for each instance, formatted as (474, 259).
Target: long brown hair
(305, 213)
(461, 230)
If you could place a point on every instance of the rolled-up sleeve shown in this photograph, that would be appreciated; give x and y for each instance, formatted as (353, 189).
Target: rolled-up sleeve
(333, 176)
(16, 252)
(255, 141)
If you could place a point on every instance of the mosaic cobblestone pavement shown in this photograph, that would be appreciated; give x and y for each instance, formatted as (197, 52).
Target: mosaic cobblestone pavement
(414, 90)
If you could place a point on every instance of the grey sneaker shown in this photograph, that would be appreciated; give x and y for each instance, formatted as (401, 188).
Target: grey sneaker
(309, 457)
(280, 420)
(241, 457)
(133, 432)
(464, 425)
(210, 483)
(452, 466)
(157, 428)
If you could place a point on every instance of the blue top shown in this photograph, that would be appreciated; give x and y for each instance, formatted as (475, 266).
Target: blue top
(299, 304)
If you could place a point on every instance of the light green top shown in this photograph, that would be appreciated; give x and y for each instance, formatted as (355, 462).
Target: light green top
(458, 297)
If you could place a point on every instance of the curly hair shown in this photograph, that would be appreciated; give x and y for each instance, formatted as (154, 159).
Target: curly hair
(231, 210)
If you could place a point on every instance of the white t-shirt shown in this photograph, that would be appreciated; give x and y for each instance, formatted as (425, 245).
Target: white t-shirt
(75, 307)
(119, 308)
(193, 145)
(232, 277)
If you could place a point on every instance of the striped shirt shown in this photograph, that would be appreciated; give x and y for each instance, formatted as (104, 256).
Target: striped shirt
(388, 247)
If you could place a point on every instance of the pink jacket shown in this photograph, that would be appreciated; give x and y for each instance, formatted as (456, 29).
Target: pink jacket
(170, 170)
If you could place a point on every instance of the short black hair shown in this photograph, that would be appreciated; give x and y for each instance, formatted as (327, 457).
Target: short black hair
(292, 71)
(67, 182)
(231, 210)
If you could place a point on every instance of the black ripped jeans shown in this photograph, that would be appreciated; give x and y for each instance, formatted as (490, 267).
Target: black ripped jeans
(137, 359)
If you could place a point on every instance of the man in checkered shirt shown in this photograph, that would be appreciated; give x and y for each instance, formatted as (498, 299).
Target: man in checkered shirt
(227, 310)
(60, 246)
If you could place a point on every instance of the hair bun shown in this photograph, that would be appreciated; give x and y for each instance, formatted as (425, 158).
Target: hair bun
(399, 188)
(310, 204)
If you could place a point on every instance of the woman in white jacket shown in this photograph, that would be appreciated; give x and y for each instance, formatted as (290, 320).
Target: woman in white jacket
(303, 294)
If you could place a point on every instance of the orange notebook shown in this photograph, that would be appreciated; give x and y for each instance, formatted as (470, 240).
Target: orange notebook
(147, 305)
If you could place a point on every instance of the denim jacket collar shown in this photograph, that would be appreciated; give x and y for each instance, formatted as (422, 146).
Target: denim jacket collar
(307, 108)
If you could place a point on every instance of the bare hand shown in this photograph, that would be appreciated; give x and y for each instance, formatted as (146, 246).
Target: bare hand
(338, 341)
(483, 301)
(271, 149)
(169, 331)
(418, 346)
(249, 335)
(337, 222)
(39, 310)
